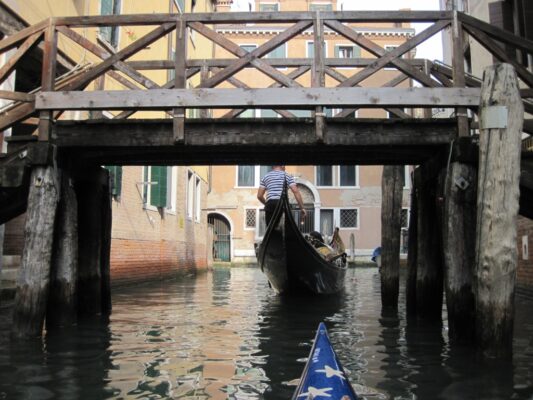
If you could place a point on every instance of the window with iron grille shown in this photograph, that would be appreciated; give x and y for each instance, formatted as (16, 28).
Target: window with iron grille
(349, 218)
(405, 218)
(250, 218)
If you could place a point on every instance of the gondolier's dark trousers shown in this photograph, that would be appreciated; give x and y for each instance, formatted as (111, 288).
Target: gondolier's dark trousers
(270, 206)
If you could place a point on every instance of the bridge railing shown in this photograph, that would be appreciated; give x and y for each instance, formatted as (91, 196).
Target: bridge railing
(441, 86)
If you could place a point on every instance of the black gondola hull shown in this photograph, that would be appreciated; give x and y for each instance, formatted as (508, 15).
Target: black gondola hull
(291, 263)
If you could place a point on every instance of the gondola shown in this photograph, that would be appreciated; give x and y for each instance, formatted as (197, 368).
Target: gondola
(294, 263)
(323, 375)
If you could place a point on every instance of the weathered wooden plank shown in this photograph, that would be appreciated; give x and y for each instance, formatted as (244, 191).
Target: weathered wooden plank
(459, 71)
(34, 275)
(387, 56)
(13, 40)
(252, 57)
(274, 62)
(10, 65)
(180, 77)
(128, 51)
(266, 98)
(496, 33)
(500, 53)
(391, 210)
(458, 240)
(17, 96)
(254, 17)
(318, 77)
(497, 209)
(48, 77)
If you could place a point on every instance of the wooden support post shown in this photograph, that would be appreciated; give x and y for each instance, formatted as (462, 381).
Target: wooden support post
(501, 120)
(48, 77)
(318, 73)
(61, 310)
(429, 280)
(105, 263)
(412, 250)
(34, 275)
(391, 213)
(89, 191)
(459, 71)
(180, 81)
(204, 75)
(458, 242)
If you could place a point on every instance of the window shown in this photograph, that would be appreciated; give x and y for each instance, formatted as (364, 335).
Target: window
(246, 175)
(181, 5)
(248, 47)
(326, 222)
(110, 33)
(115, 174)
(311, 49)
(347, 51)
(190, 194)
(348, 218)
(324, 175)
(404, 219)
(197, 198)
(348, 175)
(251, 175)
(278, 52)
(320, 7)
(250, 218)
(269, 7)
(156, 183)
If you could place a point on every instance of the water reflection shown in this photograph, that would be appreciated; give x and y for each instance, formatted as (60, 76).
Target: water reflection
(226, 335)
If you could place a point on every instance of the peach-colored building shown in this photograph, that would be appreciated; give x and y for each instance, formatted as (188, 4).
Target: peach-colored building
(349, 196)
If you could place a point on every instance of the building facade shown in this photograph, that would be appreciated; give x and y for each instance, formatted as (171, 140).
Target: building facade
(159, 223)
(344, 196)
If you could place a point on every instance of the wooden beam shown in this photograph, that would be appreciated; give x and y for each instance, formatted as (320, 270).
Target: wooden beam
(10, 65)
(48, 77)
(496, 33)
(459, 72)
(500, 53)
(180, 80)
(251, 57)
(388, 56)
(263, 98)
(253, 17)
(17, 96)
(13, 40)
(318, 77)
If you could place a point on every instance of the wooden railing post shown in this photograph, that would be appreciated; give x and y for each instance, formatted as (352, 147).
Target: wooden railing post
(48, 77)
(459, 72)
(318, 75)
(180, 80)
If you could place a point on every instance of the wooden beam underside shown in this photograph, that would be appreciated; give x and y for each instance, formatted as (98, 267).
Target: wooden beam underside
(225, 141)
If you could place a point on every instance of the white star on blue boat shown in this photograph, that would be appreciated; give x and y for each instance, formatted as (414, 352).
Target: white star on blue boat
(315, 392)
(331, 372)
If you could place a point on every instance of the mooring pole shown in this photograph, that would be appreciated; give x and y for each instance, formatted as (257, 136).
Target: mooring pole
(391, 212)
(458, 241)
(412, 247)
(105, 263)
(34, 275)
(89, 190)
(64, 272)
(429, 285)
(501, 120)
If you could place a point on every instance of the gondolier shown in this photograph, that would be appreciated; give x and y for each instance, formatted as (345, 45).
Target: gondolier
(272, 183)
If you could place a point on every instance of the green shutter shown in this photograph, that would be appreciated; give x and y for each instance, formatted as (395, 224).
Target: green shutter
(115, 172)
(158, 192)
(356, 52)
(336, 51)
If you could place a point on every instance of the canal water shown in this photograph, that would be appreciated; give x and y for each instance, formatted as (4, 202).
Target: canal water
(225, 335)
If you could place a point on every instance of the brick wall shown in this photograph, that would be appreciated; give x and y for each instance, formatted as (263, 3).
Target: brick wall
(134, 261)
(524, 278)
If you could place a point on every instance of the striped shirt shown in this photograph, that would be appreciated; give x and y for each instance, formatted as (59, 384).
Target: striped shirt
(273, 183)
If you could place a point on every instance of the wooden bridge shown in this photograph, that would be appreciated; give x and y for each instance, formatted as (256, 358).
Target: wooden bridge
(45, 141)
